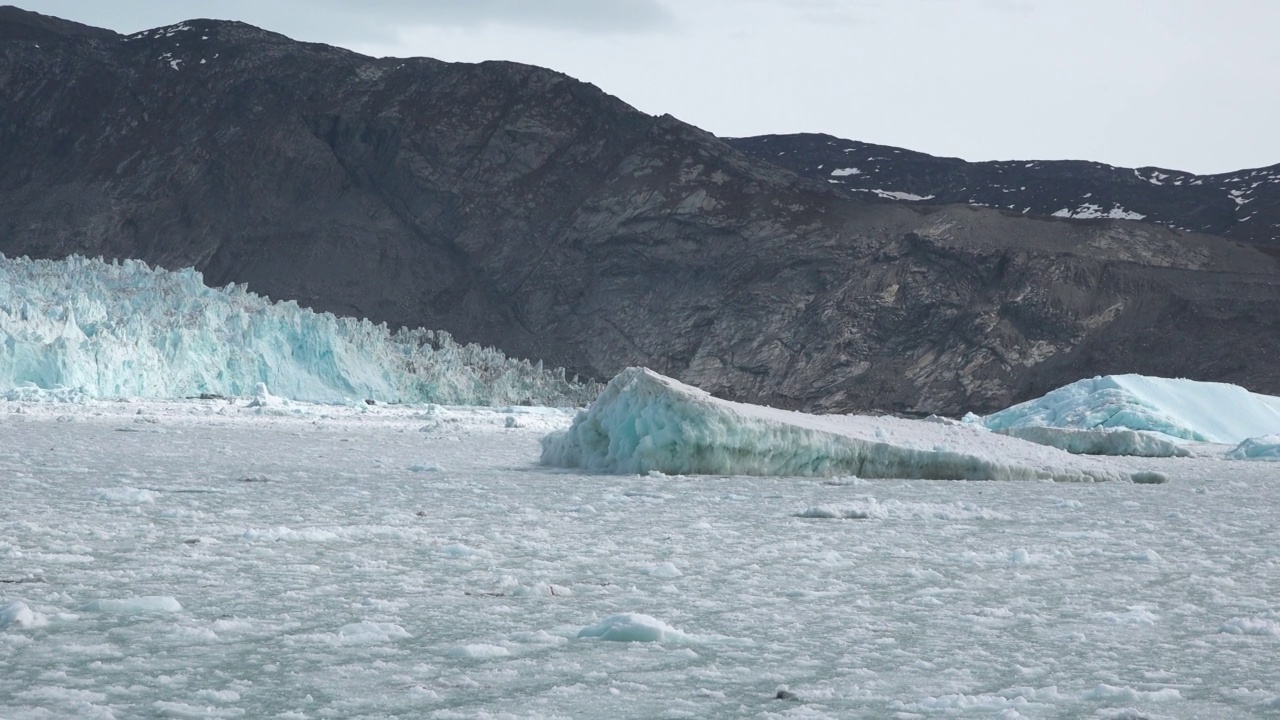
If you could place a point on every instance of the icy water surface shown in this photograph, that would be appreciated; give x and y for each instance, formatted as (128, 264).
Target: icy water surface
(172, 561)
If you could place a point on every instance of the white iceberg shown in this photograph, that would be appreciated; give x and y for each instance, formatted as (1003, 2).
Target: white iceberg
(1185, 409)
(86, 328)
(644, 422)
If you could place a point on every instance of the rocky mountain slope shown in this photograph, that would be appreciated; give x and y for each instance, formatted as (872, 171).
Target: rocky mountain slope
(1242, 205)
(517, 207)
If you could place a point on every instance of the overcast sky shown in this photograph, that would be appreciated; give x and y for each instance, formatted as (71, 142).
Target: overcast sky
(1184, 84)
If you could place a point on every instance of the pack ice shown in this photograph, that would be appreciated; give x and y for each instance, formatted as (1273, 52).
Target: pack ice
(127, 330)
(644, 422)
(1137, 415)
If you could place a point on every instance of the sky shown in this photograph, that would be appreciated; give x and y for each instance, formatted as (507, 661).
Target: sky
(1182, 84)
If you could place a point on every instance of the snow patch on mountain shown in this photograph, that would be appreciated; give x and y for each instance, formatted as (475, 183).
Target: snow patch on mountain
(1089, 211)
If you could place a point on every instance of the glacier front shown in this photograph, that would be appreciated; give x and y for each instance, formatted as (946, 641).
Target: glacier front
(123, 329)
(1179, 408)
(644, 422)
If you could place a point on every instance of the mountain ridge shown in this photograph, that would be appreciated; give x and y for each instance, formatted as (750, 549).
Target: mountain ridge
(1240, 205)
(517, 207)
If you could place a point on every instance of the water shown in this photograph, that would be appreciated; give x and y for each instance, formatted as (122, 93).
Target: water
(416, 562)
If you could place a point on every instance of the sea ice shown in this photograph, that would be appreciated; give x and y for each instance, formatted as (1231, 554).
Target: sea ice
(645, 422)
(331, 590)
(1186, 409)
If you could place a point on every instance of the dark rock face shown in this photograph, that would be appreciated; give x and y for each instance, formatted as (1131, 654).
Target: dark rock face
(517, 207)
(1243, 205)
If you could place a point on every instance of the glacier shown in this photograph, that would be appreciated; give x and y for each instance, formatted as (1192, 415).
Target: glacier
(82, 327)
(645, 422)
(1185, 409)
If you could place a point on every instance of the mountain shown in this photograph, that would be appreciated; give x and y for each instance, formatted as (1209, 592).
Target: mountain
(517, 207)
(1242, 205)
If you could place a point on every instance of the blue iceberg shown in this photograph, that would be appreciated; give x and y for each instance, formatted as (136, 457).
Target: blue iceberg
(644, 422)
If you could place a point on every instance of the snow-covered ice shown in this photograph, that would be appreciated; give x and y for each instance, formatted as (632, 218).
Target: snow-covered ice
(1179, 408)
(646, 422)
(314, 574)
(123, 329)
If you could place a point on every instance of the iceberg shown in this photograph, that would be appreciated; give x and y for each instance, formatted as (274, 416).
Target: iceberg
(1104, 441)
(644, 422)
(82, 328)
(1184, 409)
(1266, 447)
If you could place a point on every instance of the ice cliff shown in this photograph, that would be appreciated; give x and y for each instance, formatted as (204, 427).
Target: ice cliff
(645, 422)
(125, 329)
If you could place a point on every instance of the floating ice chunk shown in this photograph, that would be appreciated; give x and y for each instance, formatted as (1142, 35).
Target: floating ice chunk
(644, 422)
(125, 495)
(1250, 626)
(286, 534)
(1021, 557)
(1134, 616)
(1187, 409)
(370, 633)
(1112, 693)
(426, 468)
(1106, 441)
(218, 696)
(134, 606)
(1266, 447)
(458, 550)
(478, 651)
(17, 614)
(262, 398)
(634, 627)
(665, 570)
(848, 511)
